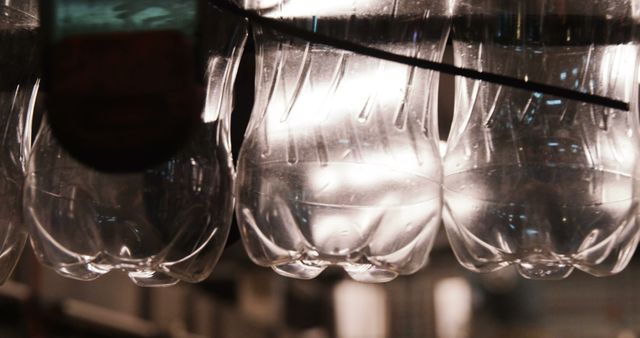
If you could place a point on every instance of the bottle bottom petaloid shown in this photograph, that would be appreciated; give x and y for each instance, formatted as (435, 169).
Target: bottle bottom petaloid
(146, 272)
(596, 256)
(144, 277)
(545, 221)
(369, 249)
(374, 221)
(361, 272)
(369, 264)
(540, 265)
(185, 259)
(188, 259)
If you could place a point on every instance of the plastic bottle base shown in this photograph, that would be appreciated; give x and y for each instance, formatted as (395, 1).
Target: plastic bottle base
(540, 269)
(366, 273)
(545, 270)
(143, 278)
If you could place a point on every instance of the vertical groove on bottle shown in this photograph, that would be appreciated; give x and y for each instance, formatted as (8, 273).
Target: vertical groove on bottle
(490, 119)
(611, 83)
(630, 124)
(279, 63)
(472, 105)
(596, 148)
(489, 148)
(256, 120)
(431, 103)
(210, 85)
(620, 59)
(394, 10)
(608, 65)
(526, 112)
(604, 112)
(514, 137)
(543, 10)
(301, 79)
(14, 99)
(401, 114)
(265, 142)
(321, 146)
(414, 143)
(28, 127)
(272, 89)
(365, 113)
(354, 142)
(382, 124)
(337, 77)
(568, 115)
(594, 159)
(228, 72)
(474, 96)
(614, 149)
(546, 127)
(430, 107)
(604, 123)
(593, 115)
(8, 118)
(292, 149)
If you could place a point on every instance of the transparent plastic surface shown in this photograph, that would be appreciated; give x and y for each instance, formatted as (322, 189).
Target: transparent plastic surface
(545, 183)
(340, 164)
(161, 225)
(18, 88)
(19, 14)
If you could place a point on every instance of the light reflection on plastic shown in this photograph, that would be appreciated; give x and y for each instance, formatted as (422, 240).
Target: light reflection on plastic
(379, 169)
(443, 148)
(313, 106)
(332, 8)
(464, 203)
(616, 63)
(334, 232)
(302, 8)
(617, 191)
(218, 73)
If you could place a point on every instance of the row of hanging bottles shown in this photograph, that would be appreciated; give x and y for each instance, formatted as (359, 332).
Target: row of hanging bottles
(341, 164)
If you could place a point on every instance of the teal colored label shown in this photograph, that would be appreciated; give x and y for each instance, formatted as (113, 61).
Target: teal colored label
(75, 17)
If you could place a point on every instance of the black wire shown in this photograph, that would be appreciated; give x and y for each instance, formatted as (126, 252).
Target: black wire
(313, 37)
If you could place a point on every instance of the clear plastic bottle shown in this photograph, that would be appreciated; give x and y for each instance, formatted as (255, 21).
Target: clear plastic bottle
(545, 183)
(161, 225)
(340, 164)
(18, 88)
